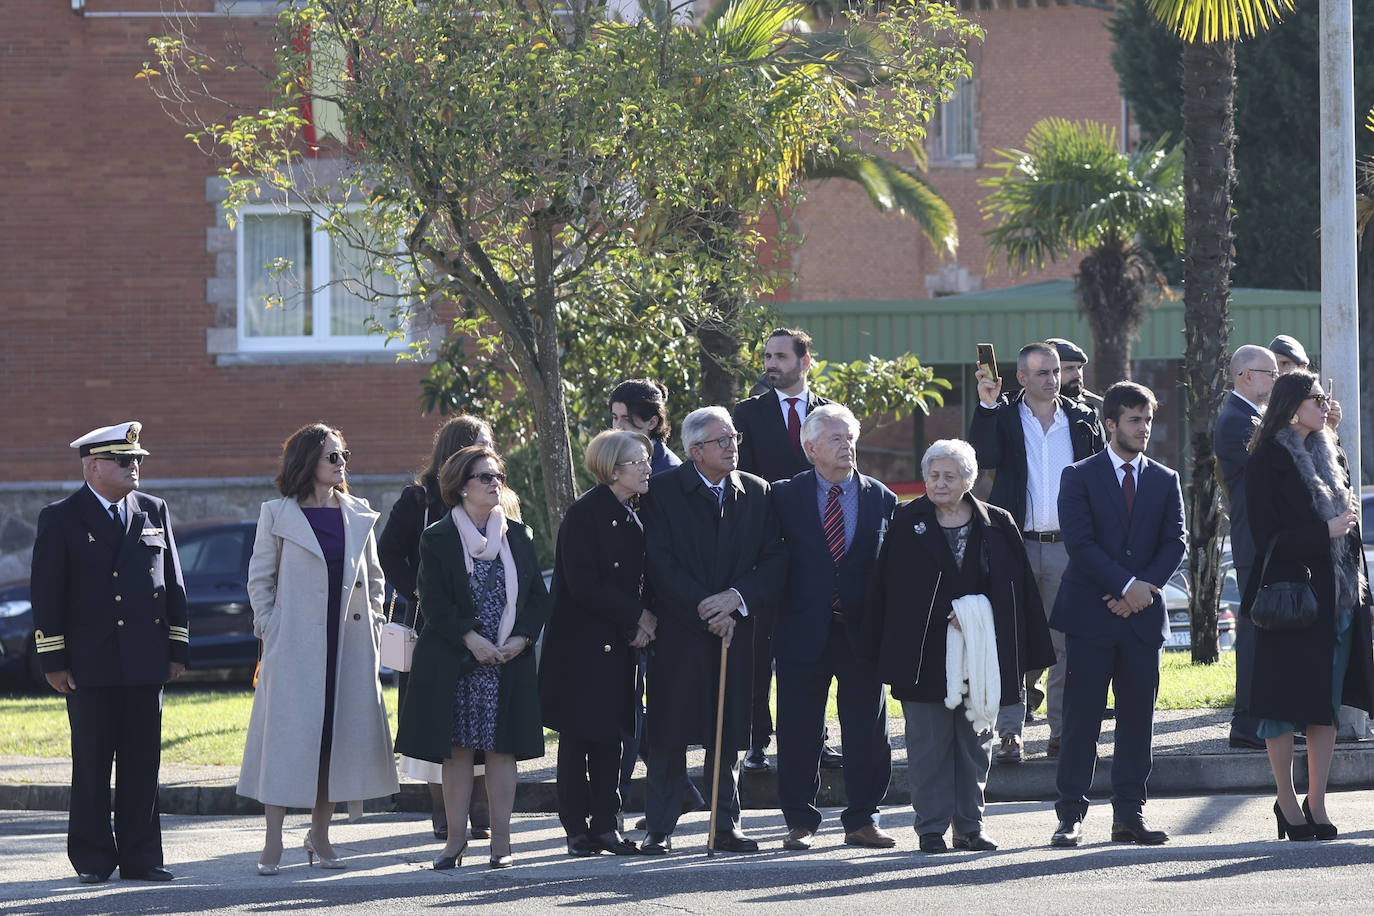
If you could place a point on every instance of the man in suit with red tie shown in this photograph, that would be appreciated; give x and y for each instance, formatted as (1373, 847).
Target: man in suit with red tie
(771, 424)
(109, 608)
(1122, 517)
(833, 521)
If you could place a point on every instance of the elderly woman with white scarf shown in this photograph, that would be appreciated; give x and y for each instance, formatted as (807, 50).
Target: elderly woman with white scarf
(1302, 511)
(473, 684)
(953, 596)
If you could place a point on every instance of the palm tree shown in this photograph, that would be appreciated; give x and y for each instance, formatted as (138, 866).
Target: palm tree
(1072, 190)
(1209, 173)
(750, 30)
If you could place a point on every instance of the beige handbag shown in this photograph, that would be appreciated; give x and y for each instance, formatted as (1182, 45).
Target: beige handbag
(398, 640)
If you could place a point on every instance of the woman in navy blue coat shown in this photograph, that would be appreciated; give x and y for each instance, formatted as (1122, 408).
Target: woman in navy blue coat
(598, 623)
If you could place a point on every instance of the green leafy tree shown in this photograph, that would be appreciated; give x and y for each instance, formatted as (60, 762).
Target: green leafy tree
(1072, 190)
(535, 160)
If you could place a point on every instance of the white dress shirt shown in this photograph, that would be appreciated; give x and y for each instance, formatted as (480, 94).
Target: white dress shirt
(1048, 452)
(801, 397)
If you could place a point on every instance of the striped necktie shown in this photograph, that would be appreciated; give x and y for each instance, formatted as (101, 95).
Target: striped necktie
(833, 525)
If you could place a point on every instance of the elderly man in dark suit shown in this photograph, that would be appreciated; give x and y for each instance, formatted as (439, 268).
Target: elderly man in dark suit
(109, 605)
(1122, 515)
(1253, 370)
(833, 520)
(771, 424)
(715, 565)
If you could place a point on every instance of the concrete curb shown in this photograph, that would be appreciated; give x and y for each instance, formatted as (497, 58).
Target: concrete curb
(1031, 780)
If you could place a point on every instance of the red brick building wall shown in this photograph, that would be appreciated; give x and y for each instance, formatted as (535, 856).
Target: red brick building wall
(1037, 61)
(104, 268)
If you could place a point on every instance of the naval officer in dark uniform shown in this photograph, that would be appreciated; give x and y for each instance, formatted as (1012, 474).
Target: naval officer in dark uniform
(110, 610)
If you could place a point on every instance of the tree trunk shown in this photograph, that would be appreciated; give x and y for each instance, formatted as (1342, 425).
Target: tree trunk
(1110, 307)
(543, 376)
(718, 331)
(1209, 87)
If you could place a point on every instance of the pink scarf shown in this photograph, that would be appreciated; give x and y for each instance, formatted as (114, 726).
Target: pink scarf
(488, 548)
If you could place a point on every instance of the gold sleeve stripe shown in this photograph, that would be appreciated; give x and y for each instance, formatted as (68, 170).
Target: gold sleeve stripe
(176, 638)
(178, 631)
(50, 640)
(55, 644)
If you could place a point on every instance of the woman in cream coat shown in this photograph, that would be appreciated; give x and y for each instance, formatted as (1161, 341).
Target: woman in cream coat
(316, 590)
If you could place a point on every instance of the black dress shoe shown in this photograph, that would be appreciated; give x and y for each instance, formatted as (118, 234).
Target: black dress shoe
(614, 843)
(656, 844)
(974, 842)
(933, 842)
(1135, 830)
(756, 762)
(1068, 834)
(156, 873)
(583, 846)
(90, 877)
(642, 824)
(831, 759)
(734, 841)
(441, 833)
(481, 832)
(1243, 741)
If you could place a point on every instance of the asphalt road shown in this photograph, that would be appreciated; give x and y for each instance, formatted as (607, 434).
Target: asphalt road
(1223, 856)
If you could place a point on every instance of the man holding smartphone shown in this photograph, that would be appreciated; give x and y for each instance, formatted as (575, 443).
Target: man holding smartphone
(1028, 439)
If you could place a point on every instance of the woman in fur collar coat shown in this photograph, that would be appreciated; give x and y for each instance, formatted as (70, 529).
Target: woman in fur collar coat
(1298, 487)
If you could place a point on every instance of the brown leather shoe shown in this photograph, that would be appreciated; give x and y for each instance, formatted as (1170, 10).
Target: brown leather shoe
(799, 838)
(1010, 751)
(870, 835)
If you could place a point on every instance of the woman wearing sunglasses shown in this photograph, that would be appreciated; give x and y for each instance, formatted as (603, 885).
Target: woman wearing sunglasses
(473, 685)
(420, 505)
(316, 590)
(598, 624)
(1297, 485)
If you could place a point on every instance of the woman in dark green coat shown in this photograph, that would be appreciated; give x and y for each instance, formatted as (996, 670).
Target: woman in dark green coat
(473, 683)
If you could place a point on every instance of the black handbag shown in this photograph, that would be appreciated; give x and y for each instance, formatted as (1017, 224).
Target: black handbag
(1283, 605)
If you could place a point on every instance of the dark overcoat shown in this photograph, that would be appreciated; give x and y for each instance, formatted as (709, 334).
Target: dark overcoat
(1292, 672)
(398, 547)
(441, 658)
(587, 673)
(108, 605)
(912, 592)
(694, 551)
(996, 435)
(765, 449)
(1235, 425)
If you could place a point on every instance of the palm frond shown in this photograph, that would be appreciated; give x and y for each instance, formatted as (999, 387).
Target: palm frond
(1072, 189)
(1219, 20)
(891, 187)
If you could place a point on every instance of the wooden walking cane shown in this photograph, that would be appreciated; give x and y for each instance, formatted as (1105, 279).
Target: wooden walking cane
(715, 773)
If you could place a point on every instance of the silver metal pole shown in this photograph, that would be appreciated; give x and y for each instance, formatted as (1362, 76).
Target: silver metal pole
(1340, 357)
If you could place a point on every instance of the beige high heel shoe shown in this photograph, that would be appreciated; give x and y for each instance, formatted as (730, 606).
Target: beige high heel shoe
(325, 862)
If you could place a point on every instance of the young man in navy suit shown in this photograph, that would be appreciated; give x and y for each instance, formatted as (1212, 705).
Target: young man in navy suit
(1122, 518)
(771, 448)
(833, 520)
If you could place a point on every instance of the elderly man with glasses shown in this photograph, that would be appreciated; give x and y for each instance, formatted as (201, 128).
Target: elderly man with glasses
(715, 564)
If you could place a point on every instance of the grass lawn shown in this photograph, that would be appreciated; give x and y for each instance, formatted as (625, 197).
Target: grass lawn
(202, 725)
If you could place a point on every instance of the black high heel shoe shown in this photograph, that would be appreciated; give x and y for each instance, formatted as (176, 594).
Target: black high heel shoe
(1301, 831)
(1319, 830)
(444, 863)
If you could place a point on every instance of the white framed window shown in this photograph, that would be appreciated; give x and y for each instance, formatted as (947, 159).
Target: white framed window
(301, 288)
(954, 129)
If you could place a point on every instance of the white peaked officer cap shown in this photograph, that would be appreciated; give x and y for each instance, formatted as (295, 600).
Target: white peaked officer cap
(120, 439)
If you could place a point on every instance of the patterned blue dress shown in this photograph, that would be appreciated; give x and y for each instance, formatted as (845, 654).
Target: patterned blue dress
(478, 694)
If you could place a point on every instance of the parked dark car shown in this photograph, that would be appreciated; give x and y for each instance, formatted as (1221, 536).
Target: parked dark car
(214, 562)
